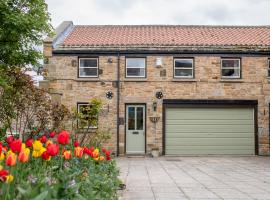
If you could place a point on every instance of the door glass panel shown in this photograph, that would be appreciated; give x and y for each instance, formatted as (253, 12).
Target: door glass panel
(131, 118)
(139, 118)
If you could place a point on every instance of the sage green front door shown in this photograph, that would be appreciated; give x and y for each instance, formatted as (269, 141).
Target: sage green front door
(135, 129)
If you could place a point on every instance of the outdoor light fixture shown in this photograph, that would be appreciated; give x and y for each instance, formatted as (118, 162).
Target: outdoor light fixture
(109, 95)
(154, 106)
(159, 95)
(110, 60)
(159, 62)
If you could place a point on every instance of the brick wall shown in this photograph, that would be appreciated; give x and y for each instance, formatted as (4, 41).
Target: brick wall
(207, 84)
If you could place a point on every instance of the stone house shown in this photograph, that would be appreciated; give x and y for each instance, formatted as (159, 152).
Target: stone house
(188, 90)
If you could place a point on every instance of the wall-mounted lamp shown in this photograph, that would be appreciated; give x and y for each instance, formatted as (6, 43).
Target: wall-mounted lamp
(110, 60)
(154, 106)
(159, 62)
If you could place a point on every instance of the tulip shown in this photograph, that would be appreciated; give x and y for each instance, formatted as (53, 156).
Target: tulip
(37, 145)
(24, 155)
(38, 153)
(15, 146)
(52, 134)
(49, 142)
(3, 174)
(11, 159)
(10, 139)
(46, 156)
(78, 151)
(9, 179)
(63, 137)
(76, 143)
(53, 149)
(2, 156)
(43, 139)
(29, 142)
(67, 155)
(101, 158)
(95, 153)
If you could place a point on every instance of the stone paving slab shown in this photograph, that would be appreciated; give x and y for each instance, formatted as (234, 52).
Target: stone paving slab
(193, 178)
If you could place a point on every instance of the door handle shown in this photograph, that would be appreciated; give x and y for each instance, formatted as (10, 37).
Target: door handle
(135, 132)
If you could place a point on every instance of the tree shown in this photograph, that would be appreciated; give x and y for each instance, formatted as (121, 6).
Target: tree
(23, 25)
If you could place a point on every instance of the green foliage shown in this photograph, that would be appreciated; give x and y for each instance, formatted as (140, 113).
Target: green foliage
(23, 25)
(84, 121)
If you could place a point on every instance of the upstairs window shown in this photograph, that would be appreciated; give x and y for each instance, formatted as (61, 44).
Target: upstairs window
(183, 68)
(135, 67)
(88, 67)
(269, 68)
(230, 68)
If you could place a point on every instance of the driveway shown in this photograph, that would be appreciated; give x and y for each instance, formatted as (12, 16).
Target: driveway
(195, 178)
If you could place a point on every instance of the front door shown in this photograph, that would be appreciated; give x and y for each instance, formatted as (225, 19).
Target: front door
(135, 129)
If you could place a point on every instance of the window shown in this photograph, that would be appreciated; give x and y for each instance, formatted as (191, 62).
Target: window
(269, 68)
(183, 68)
(88, 67)
(230, 68)
(135, 67)
(84, 108)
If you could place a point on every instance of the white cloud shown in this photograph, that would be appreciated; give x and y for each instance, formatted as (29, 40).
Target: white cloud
(207, 12)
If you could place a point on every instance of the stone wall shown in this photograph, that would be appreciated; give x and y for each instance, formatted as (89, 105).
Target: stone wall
(207, 84)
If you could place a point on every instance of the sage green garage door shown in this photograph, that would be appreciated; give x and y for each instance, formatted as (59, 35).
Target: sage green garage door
(209, 131)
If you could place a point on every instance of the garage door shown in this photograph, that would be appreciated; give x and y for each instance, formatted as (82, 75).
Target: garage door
(209, 131)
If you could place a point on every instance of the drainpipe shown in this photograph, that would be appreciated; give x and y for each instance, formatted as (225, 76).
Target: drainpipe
(118, 102)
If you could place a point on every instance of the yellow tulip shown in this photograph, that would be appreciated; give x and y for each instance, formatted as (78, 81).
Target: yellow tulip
(9, 179)
(37, 145)
(2, 157)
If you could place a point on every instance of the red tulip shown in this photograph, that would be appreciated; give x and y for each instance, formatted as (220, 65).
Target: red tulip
(63, 137)
(78, 151)
(15, 146)
(3, 175)
(53, 149)
(67, 155)
(11, 159)
(108, 158)
(87, 151)
(9, 139)
(76, 143)
(43, 139)
(29, 142)
(45, 155)
(52, 134)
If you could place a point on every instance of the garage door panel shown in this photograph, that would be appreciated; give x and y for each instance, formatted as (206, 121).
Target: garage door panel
(205, 121)
(210, 135)
(209, 141)
(212, 151)
(192, 131)
(205, 113)
(210, 128)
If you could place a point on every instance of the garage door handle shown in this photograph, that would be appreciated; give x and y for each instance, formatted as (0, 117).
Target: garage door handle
(135, 132)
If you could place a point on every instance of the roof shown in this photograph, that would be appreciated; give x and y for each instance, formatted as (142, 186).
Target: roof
(166, 35)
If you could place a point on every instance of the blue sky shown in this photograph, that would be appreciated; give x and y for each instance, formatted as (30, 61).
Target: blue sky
(187, 12)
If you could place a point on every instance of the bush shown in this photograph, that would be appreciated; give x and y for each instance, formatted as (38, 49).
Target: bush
(55, 169)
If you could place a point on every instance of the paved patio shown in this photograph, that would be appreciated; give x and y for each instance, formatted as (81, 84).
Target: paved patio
(195, 178)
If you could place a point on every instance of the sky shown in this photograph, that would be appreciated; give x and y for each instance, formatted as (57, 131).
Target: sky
(180, 12)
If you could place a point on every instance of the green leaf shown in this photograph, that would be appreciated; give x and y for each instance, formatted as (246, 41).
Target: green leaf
(42, 196)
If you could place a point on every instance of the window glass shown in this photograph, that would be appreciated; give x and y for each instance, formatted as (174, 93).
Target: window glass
(131, 118)
(88, 67)
(230, 68)
(183, 68)
(139, 118)
(135, 67)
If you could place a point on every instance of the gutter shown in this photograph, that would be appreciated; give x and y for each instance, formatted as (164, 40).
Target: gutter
(118, 102)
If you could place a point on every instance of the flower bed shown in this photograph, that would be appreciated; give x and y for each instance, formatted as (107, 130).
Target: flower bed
(54, 168)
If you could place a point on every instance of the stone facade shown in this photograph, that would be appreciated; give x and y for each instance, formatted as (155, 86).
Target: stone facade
(65, 85)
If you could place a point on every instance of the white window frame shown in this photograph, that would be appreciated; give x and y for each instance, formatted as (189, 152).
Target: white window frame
(192, 68)
(268, 69)
(88, 67)
(144, 76)
(78, 110)
(231, 77)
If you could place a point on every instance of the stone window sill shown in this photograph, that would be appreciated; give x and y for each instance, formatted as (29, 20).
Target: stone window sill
(95, 79)
(135, 80)
(184, 80)
(231, 81)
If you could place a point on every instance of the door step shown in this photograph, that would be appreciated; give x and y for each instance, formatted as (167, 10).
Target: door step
(135, 156)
